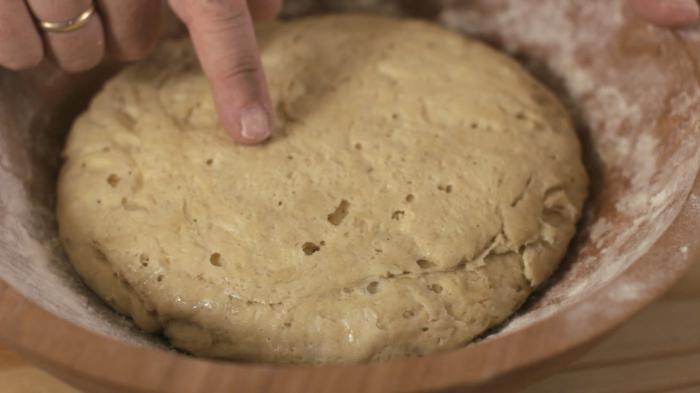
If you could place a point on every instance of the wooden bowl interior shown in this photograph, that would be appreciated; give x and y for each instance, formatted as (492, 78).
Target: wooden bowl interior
(632, 88)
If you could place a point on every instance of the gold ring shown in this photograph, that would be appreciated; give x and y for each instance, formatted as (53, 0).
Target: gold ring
(69, 25)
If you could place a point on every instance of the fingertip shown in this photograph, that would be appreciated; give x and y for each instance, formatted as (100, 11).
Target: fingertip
(667, 13)
(21, 46)
(256, 125)
(82, 64)
(224, 39)
(74, 66)
(79, 50)
(30, 59)
(249, 125)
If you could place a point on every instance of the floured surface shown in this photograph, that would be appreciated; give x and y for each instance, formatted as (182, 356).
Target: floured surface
(644, 127)
(396, 211)
(31, 256)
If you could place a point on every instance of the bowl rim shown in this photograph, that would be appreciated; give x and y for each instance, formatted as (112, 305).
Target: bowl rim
(80, 355)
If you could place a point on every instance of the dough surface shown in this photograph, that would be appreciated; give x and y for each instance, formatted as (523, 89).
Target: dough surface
(418, 186)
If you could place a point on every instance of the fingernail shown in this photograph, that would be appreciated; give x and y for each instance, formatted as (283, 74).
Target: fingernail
(686, 6)
(255, 124)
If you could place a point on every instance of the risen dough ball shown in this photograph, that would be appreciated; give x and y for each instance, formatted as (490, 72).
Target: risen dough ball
(418, 186)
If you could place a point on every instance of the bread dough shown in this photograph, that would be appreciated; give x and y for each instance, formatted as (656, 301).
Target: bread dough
(418, 186)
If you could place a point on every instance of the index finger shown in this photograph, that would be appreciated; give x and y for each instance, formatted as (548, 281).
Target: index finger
(224, 39)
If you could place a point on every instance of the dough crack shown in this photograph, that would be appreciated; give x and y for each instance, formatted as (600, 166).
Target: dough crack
(522, 193)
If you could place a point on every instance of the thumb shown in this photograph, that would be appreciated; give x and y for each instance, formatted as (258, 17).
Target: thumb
(224, 39)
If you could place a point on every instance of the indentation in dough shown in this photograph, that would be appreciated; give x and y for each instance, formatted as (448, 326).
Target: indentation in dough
(446, 188)
(113, 180)
(556, 199)
(397, 215)
(310, 248)
(215, 259)
(425, 264)
(373, 287)
(125, 119)
(337, 217)
(100, 255)
(437, 288)
(131, 205)
(554, 217)
(409, 198)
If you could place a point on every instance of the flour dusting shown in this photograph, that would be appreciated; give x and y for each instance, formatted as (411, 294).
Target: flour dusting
(625, 110)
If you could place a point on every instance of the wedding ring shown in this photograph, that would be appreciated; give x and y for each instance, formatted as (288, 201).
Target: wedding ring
(68, 25)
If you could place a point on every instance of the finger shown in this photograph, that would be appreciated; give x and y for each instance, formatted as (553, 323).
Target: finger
(223, 36)
(20, 44)
(667, 13)
(172, 25)
(264, 9)
(131, 26)
(77, 50)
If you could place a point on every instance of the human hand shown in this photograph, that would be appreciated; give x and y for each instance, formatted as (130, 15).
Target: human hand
(221, 30)
(667, 13)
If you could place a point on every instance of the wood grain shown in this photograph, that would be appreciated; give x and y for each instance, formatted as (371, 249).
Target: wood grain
(30, 131)
(657, 351)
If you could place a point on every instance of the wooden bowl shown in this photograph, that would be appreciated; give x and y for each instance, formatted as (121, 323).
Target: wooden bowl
(634, 91)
